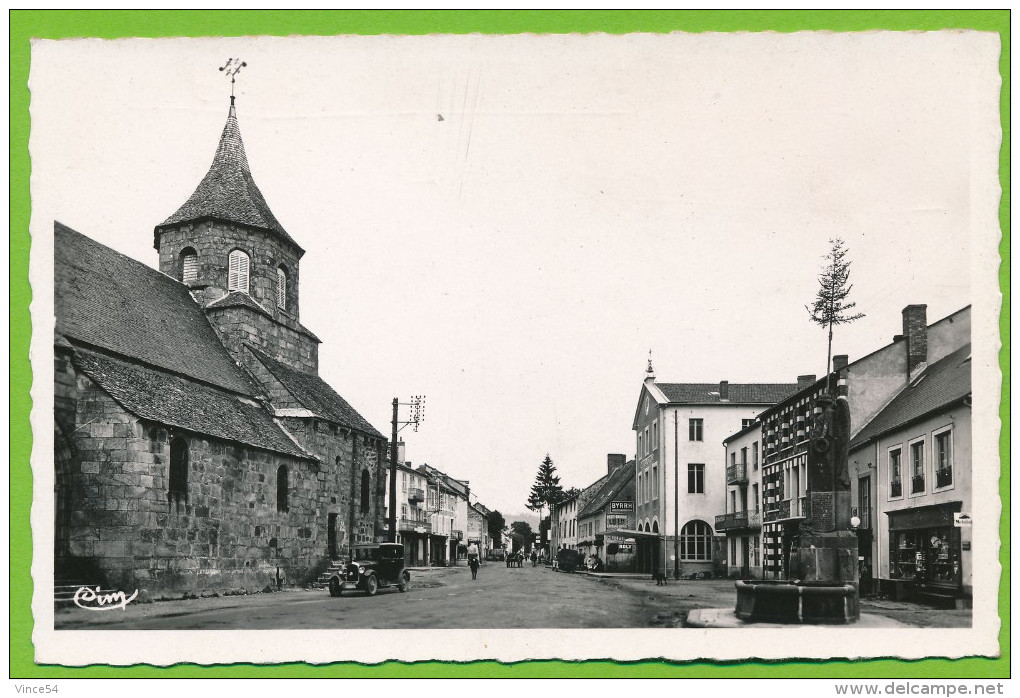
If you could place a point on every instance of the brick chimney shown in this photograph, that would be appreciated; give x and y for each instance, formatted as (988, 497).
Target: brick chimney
(839, 362)
(724, 390)
(615, 461)
(805, 380)
(915, 329)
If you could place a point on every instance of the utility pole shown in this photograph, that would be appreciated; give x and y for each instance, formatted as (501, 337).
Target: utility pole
(676, 495)
(416, 417)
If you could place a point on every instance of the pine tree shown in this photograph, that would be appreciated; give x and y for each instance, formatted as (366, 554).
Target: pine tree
(831, 307)
(547, 490)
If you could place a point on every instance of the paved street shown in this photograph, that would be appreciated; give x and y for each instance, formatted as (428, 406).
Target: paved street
(531, 597)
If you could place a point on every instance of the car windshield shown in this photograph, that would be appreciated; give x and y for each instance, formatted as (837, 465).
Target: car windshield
(394, 552)
(365, 554)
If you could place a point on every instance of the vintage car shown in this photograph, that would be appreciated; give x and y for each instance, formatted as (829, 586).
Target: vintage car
(372, 567)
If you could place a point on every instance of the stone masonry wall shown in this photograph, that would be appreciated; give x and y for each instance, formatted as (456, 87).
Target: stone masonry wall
(228, 535)
(239, 325)
(344, 455)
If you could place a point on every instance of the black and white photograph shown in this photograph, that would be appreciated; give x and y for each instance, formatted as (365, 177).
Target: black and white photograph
(517, 347)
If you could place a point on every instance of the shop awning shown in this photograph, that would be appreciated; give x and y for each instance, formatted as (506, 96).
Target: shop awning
(625, 533)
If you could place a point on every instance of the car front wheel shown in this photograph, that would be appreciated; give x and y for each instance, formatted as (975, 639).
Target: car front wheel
(371, 585)
(405, 582)
(335, 588)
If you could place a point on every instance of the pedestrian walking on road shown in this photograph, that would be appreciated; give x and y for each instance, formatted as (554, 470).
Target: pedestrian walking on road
(534, 558)
(473, 564)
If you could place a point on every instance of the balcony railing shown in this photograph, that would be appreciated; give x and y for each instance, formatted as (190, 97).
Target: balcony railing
(895, 488)
(943, 477)
(736, 473)
(739, 520)
(917, 484)
(412, 526)
(415, 495)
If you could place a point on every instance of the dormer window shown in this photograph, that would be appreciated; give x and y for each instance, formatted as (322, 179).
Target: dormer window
(189, 265)
(281, 288)
(237, 276)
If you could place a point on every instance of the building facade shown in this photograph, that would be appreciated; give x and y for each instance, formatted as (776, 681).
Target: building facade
(742, 521)
(196, 445)
(680, 475)
(911, 487)
(872, 382)
(607, 519)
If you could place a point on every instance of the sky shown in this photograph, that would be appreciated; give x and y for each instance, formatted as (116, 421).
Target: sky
(507, 225)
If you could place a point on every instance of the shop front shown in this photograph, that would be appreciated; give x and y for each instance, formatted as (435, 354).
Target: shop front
(634, 551)
(927, 552)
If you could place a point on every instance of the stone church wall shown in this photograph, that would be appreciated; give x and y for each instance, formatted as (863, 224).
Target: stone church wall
(228, 535)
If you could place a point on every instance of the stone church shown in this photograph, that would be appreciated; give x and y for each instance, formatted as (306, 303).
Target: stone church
(196, 446)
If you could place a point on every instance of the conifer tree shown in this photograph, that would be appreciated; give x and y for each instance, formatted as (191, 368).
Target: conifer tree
(831, 306)
(547, 490)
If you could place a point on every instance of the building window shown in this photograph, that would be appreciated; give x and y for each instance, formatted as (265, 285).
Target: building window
(237, 271)
(895, 474)
(189, 265)
(640, 444)
(366, 487)
(944, 459)
(281, 288)
(917, 467)
(696, 541)
(695, 429)
(282, 489)
(754, 454)
(754, 496)
(864, 502)
(745, 423)
(696, 478)
(655, 482)
(177, 492)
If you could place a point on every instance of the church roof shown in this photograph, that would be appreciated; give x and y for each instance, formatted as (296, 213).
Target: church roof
(228, 192)
(316, 395)
(111, 302)
(176, 401)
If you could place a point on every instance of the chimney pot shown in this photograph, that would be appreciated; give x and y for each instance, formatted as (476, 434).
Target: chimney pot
(615, 461)
(839, 362)
(724, 390)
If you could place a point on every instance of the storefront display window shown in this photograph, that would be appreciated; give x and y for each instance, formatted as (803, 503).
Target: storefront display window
(927, 556)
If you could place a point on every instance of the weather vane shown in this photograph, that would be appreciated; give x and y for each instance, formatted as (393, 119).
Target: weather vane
(232, 68)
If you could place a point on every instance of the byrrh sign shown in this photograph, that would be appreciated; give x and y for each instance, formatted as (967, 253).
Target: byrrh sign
(621, 507)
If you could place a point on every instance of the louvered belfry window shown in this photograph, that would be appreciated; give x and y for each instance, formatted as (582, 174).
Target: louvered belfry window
(189, 266)
(281, 288)
(237, 277)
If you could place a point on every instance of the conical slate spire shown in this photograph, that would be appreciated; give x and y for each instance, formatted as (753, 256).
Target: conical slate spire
(228, 192)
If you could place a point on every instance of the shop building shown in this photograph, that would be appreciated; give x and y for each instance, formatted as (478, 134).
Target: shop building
(872, 383)
(741, 524)
(911, 484)
(607, 520)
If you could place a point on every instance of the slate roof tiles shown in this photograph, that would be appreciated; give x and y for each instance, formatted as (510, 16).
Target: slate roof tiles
(316, 395)
(739, 393)
(943, 383)
(228, 192)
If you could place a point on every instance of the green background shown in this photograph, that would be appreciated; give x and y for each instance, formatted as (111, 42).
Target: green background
(25, 25)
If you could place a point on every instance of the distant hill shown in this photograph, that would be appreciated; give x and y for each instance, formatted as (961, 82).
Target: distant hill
(530, 517)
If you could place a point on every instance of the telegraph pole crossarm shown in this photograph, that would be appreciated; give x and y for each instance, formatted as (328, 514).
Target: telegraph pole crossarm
(417, 415)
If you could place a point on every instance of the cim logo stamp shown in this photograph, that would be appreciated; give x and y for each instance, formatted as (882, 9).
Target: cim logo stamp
(97, 600)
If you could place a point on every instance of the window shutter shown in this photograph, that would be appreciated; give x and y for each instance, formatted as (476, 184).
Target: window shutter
(281, 288)
(237, 276)
(189, 268)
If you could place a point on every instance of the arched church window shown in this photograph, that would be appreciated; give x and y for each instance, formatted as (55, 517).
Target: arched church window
(189, 265)
(281, 288)
(282, 489)
(237, 275)
(365, 490)
(177, 492)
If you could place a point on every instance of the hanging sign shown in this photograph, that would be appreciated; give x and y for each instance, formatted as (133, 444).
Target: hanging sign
(961, 519)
